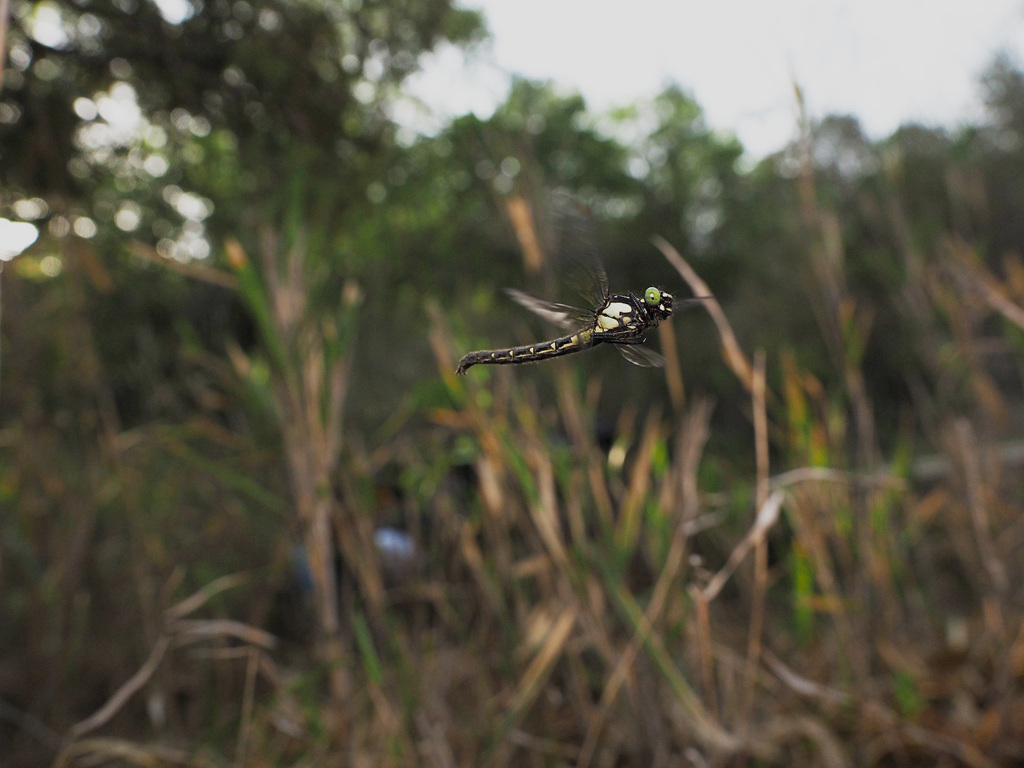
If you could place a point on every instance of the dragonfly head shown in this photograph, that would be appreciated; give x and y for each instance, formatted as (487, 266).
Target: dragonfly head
(658, 302)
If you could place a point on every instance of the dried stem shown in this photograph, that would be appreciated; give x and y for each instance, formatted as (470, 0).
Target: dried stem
(731, 349)
(761, 548)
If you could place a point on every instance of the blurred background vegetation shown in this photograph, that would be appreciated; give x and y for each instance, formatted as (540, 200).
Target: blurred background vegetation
(249, 516)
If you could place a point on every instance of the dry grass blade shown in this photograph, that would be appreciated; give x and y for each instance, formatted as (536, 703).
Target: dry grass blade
(562, 751)
(180, 631)
(473, 558)
(628, 528)
(662, 591)
(200, 597)
(767, 516)
(5, 9)
(761, 545)
(248, 699)
(121, 752)
(969, 270)
(758, 395)
(521, 216)
(933, 742)
(440, 337)
(576, 424)
(786, 729)
(829, 475)
(967, 451)
(803, 686)
(699, 721)
(731, 350)
(705, 645)
(30, 724)
(125, 692)
(545, 511)
(680, 493)
(188, 269)
(434, 745)
(540, 668)
(673, 371)
(194, 630)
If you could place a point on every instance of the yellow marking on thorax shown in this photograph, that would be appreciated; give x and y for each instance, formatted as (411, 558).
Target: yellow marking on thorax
(611, 316)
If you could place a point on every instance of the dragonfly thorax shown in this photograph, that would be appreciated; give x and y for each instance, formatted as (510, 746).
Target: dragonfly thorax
(615, 315)
(627, 315)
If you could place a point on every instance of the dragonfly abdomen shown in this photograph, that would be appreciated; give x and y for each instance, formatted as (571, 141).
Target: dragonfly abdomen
(529, 353)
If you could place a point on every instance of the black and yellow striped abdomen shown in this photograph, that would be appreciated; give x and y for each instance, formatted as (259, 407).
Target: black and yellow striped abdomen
(529, 353)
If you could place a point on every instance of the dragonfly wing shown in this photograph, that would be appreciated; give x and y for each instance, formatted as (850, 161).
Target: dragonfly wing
(576, 250)
(642, 356)
(587, 276)
(562, 315)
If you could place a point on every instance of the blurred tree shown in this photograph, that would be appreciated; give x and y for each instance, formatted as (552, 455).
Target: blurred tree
(124, 129)
(117, 89)
(1003, 93)
(689, 173)
(175, 125)
(999, 151)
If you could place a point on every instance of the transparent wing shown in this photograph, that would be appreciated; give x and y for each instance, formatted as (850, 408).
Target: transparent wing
(585, 274)
(576, 252)
(642, 356)
(561, 315)
(681, 304)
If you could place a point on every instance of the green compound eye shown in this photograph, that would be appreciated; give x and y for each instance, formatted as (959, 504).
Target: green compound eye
(653, 297)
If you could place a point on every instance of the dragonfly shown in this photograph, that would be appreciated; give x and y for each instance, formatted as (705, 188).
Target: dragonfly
(620, 319)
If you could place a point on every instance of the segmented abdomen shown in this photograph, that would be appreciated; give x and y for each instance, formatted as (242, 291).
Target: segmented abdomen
(529, 353)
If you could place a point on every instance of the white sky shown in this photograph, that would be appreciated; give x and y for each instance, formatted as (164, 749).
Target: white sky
(885, 61)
